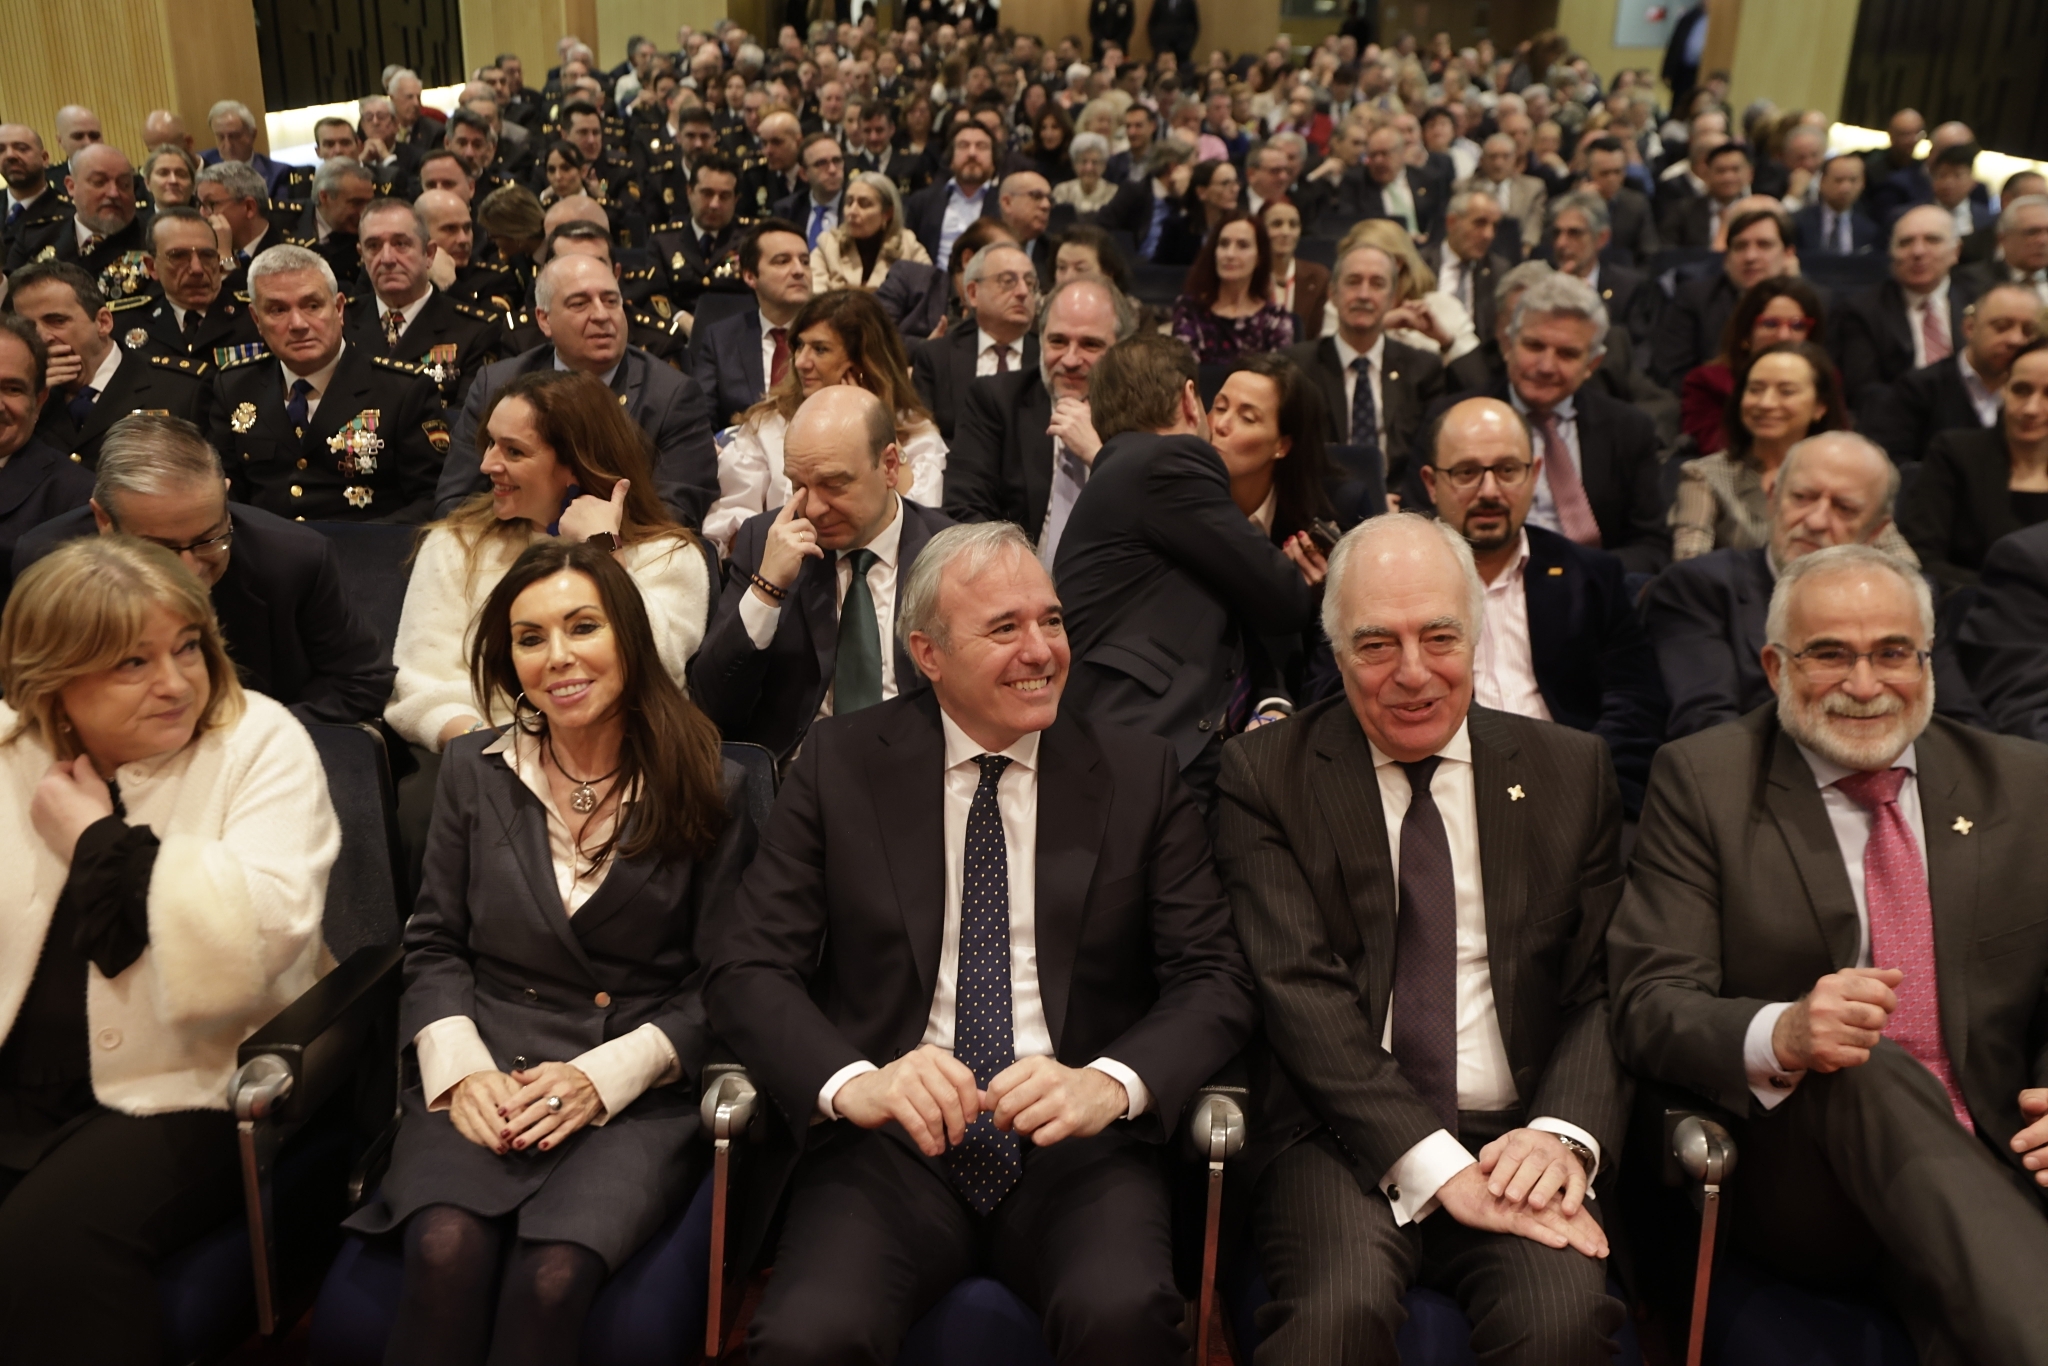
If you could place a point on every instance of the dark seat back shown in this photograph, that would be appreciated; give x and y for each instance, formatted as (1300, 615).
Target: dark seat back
(376, 564)
(1357, 484)
(716, 305)
(1157, 285)
(759, 766)
(365, 907)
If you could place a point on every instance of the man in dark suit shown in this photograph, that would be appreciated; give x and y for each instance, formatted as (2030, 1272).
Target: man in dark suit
(770, 666)
(103, 235)
(737, 359)
(1633, 222)
(93, 380)
(580, 310)
(1698, 221)
(1559, 640)
(938, 213)
(2022, 254)
(1465, 263)
(1440, 1092)
(1915, 318)
(1390, 188)
(1400, 382)
(1688, 331)
(1173, 26)
(1580, 232)
(1706, 616)
(1027, 440)
(872, 982)
(2004, 639)
(1961, 391)
(1599, 482)
(1835, 224)
(1831, 932)
(403, 315)
(817, 206)
(1000, 288)
(1146, 206)
(327, 225)
(36, 481)
(1163, 576)
(276, 585)
(33, 198)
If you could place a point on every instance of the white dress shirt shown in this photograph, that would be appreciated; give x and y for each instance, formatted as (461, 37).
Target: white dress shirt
(1017, 802)
(1485, 1080)
(985, 349)
(759, 618)
(1455, 279)
(961, 211)
(621, 1069)
(1934, 301)
(1983, 397)
(104, 376)
(1503, 663)
(1768, 1082)
(319, 379)
(1375, 374)
(1397, 200)
(1543, 508)
(406, 314)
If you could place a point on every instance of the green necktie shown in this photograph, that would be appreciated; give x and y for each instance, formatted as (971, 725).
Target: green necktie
(857, 675)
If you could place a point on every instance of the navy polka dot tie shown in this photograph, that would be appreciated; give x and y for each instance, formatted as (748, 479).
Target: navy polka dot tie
(987, 1162)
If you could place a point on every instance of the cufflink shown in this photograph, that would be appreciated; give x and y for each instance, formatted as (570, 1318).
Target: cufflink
(1781, 1083)
(1394, 1194)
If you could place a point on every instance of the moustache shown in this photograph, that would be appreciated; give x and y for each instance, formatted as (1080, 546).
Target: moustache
(1840, 704)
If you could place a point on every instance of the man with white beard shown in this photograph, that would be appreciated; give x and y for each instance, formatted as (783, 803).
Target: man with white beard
(1833, 929)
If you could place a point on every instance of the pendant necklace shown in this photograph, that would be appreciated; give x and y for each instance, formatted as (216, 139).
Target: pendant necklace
(583, 800)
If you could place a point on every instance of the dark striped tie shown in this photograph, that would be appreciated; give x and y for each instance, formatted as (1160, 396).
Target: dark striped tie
(1426, 952)
(988, 1161)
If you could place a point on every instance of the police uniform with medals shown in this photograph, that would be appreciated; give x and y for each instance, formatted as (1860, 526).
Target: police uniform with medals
(146, 381)
(763, 187)
(338, 251)
(370, 452)
(644, 284)
(51, 206)
(449, 340)
(153, 326)
(691, 271)
(115, 261)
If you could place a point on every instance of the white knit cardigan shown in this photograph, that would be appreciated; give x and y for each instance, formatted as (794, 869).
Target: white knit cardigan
(246, 838)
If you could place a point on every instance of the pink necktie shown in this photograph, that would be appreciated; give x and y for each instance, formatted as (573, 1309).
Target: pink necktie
(1902, 926)
(1933, 336)
(1574, 514)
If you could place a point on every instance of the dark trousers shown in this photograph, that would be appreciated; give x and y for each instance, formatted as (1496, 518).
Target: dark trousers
(1337, 1266)
(82, 1232)
(1864, 1179)
(875, 1236)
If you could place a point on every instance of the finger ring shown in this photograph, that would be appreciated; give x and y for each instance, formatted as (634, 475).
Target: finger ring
(554, 1105)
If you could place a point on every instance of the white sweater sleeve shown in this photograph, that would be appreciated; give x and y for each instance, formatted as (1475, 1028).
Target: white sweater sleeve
(676, 588)
(925, 453)
(432, 648)
(749, 471)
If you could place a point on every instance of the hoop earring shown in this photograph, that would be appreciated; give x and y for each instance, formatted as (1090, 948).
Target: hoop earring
(528, 717)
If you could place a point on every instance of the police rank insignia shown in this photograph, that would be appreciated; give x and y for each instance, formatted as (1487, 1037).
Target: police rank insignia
(244, 417)
(136, 338)
(358, 444)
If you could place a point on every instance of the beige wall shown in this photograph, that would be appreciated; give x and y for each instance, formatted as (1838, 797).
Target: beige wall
(180, 55)
(530, 28)
(1795, 55)
(1590, 26)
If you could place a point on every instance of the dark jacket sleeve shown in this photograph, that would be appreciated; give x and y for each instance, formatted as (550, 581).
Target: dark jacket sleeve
(440, 975)
(685, 460)
(2004, 639)
(1190, 520)
(460, 469)
(351, 673)
(974, 469)
(725, 673)
(419, 460)
(702, 360)
(1687, 621)
(1632, 704)
(1645, 547)
(1856, 351)
(1928, 518)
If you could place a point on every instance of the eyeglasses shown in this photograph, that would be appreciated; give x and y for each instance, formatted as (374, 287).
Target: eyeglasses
(1508, 474)
(1010, 280)
(1826, 663)
(206, 548)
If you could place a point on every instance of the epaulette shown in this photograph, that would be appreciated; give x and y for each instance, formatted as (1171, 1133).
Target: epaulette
(183, 364)
(403, 367)
(232, 357)
(674, 225)
(241, 296)
(132, 301)
(646, 274)
(471, 310)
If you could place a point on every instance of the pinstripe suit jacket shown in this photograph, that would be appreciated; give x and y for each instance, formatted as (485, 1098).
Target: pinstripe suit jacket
(1303, 850)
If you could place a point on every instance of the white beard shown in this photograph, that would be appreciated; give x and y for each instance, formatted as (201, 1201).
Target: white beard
(1811, 724)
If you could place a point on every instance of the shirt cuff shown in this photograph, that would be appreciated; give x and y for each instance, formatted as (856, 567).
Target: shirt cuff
(1141, 1099)
(830, 1089)
(622, 1068)
(759, 618)
(1565, 1129)
(1411, 1184)
(449, 1049)
(1768, 1082)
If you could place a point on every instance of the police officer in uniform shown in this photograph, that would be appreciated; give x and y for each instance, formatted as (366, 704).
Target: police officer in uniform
(327, 226)
(315, 429)
(403, 316)
(103, 235)
(702, 250)
(658, 334)
(191, 313)
(32, 199)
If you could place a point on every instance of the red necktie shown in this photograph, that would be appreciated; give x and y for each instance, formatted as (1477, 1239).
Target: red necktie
(1933, 336)
(778, 365)
(1002, 359)
(1574, 514)
(1902, 926)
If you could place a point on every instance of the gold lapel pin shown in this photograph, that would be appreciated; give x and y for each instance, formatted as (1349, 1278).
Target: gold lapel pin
(1515, 793)
(1962, 826)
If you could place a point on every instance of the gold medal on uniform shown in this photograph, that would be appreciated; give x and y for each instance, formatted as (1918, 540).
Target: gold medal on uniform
(136, 338)
(244, 417)
(358, 444)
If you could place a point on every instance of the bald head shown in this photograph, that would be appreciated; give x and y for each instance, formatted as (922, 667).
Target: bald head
(840, 457)
(446, 215)
(1481, 477)
(1026, 203)
(575, 208)
(77, 127)
(162, 128)
(1924, 247)
(846, 413)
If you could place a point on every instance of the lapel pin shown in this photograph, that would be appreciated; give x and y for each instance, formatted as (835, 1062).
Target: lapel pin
(1557, 571)
(1962, 826)
(1515, 793)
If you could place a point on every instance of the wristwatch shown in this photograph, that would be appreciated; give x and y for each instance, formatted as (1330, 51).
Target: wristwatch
(603, 539)
(1580, 1151)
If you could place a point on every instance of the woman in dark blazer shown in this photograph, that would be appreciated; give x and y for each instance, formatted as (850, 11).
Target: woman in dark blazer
(1978, 485)
(576, 869)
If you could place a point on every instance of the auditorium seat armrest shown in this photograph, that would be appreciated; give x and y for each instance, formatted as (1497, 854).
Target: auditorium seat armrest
(319, 1036)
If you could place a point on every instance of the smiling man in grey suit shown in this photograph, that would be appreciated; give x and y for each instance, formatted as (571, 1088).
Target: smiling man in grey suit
(1423, 889)
(1833, 929)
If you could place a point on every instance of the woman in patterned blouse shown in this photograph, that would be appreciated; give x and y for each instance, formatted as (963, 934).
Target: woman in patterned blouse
(1227, 308)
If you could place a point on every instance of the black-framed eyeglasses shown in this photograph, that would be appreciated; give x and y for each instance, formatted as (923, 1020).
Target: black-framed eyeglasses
(205, 548)
(1830, 663)
(1508, 473)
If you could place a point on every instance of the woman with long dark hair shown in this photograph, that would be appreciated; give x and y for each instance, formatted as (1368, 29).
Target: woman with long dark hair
(1227, 309)
(1783, 308)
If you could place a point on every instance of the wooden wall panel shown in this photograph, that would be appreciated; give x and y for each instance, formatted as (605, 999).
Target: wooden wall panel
(322, 51)
(1974, 60)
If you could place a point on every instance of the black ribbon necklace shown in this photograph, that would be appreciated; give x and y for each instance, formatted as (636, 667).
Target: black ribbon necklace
(583, 800)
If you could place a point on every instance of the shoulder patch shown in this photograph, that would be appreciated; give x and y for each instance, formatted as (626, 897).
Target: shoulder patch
(231, 357)
(403, 367)
(132, 301)
(182, 364)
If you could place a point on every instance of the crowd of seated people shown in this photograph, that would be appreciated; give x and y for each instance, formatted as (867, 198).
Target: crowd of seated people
(1387, 546)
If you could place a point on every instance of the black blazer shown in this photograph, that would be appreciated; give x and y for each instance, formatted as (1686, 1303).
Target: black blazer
(1919, 406)
(1593, 661)
(769, 697)
(924, 213)
(1302, 844)
(1873, 342)
(1706, 619)
(1634, 225)
(833, 950)
(229, 322)
(2004, 639)
(142, 382)
(1358, 196)
(1000, 466)
(1811, 224)
(37, 484)
(1959, 505)
(943, 371)
(1162, 577)
(1413, 381)
(1631, 308)
(1688, 331)
(451, 340)
(290, 628)
(913, 296)
(1486, 273)
(1738, 897)
(666, 404)
(725, 361)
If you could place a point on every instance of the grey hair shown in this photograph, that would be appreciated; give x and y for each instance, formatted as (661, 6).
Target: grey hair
(1373, 529)
(1948, 222)
(1847, 558)
(892, 198)
(1120, 304)
(286, 259)
(978, 545)
(978, 267)
(1520, 278)
(1561, 295)
(1084, 143)
(1587, 204)
(384, 206)
(1499, 137)
(151, 454)
(1857, 440)
(1461, 202)
(364, 105)
(334, 170)
(235, 107)
(2008, 217)
(391, 81)
(238, 178)
(544, 283)
(1286, 140)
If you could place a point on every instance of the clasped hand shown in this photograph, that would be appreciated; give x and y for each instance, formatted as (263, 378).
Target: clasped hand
(932, 1095)
(1526, 1182)
(509, 1112)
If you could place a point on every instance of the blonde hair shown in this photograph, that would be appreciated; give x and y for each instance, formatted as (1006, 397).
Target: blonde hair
(1417, 279)
(78, 610)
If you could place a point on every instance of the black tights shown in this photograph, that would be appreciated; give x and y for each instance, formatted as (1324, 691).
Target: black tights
(446, 1316)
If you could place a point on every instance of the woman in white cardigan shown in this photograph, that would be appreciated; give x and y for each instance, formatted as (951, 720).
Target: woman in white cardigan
(841, 337)
(869, 239)
(562, 460)
(170, 838)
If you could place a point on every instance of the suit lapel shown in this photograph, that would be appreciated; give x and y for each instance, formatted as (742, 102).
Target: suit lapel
(1753, 599)
(1947, 798)
(621, 884)
(1034, 414)
(1503, 861)
(912, 541)
(25, 473)
(1548, 598)
(749, 339)
(1891, 316)
(1073, 812)
(907, 788)
(817, 590)
(117, 399)
(1347, 793)
(526, 833)
(1794, 801)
